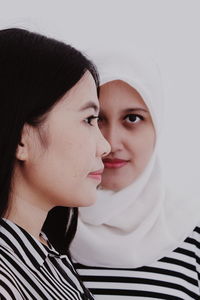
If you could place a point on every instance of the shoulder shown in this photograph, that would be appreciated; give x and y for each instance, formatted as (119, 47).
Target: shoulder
(9, 256)
(9, 289)
(194, 240)
(195, 235)
(191, 244)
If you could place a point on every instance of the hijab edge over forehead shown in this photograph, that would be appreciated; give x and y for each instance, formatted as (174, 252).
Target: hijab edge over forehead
(140, 72)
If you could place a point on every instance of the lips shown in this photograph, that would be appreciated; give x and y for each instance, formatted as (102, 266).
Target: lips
(96, 174)
(114, 163)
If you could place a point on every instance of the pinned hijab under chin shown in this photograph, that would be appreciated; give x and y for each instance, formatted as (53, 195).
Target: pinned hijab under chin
(142, 222)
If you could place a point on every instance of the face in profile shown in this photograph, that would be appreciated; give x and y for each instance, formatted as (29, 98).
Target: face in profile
(63, 161)
(126, 123)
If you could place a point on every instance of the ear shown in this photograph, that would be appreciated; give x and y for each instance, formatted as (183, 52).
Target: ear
(22, 149)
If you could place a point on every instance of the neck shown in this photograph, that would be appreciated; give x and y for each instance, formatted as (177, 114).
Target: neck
(27, 215)
(27, 208)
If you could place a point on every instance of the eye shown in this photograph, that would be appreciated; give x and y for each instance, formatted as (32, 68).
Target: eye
(133, 119)
(92, 120)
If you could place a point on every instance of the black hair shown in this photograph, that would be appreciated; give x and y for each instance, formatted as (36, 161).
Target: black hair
(35, 72)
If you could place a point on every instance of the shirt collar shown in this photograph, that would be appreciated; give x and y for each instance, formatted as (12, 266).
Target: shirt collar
(24, 245)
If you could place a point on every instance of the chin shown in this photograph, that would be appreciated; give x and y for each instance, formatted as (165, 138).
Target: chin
(112, 184)
(89, 199)
(88, 203)
(115, 185)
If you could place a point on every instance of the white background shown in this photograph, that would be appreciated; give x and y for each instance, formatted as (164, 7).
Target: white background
(168, 29)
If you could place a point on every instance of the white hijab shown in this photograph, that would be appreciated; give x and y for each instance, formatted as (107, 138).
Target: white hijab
(143, 222)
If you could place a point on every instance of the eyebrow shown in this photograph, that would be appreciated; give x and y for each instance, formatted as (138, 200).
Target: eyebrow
(128, 110)
(90, 105)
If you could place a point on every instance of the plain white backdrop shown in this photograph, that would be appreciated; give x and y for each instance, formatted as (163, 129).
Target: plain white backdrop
(167, 29)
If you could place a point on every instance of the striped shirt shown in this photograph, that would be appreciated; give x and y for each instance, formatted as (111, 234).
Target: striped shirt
(175, 277)
(31, 270)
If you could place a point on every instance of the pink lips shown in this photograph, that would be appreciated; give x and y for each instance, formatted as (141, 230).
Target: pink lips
(114, 163)
(96, 175)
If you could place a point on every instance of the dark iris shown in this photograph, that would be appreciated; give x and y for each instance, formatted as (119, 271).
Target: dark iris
(132, 118)
(91, 119)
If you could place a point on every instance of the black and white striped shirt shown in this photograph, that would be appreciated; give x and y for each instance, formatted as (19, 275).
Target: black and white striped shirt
(175, 277)
(31, 270)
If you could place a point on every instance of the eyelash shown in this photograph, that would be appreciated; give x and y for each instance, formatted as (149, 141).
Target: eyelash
(91, 118)
(141, 118)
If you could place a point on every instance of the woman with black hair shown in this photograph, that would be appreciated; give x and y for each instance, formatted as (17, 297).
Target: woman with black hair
(50, 156)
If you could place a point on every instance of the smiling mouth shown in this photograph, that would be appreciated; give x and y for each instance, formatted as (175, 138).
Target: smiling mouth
(114, 163)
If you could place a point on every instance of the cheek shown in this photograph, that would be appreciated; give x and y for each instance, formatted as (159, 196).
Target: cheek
(55, 171)
(74, 153)
(142, 145)
(67, 156)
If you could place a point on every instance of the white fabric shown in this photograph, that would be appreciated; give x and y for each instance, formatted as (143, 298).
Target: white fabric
(143, 222)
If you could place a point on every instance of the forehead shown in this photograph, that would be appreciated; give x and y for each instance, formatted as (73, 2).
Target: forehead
(82, 92)
(119, 95)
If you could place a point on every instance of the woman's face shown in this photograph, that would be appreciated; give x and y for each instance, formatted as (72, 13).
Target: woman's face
(127, 125)
(66, 171)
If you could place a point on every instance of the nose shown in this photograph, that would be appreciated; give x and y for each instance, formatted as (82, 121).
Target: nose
(113, 136)
(103, 147)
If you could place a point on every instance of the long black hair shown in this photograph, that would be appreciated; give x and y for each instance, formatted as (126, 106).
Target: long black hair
(35, 72)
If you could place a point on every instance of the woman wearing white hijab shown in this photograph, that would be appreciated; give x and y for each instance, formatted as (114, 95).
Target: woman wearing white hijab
(139, 240)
